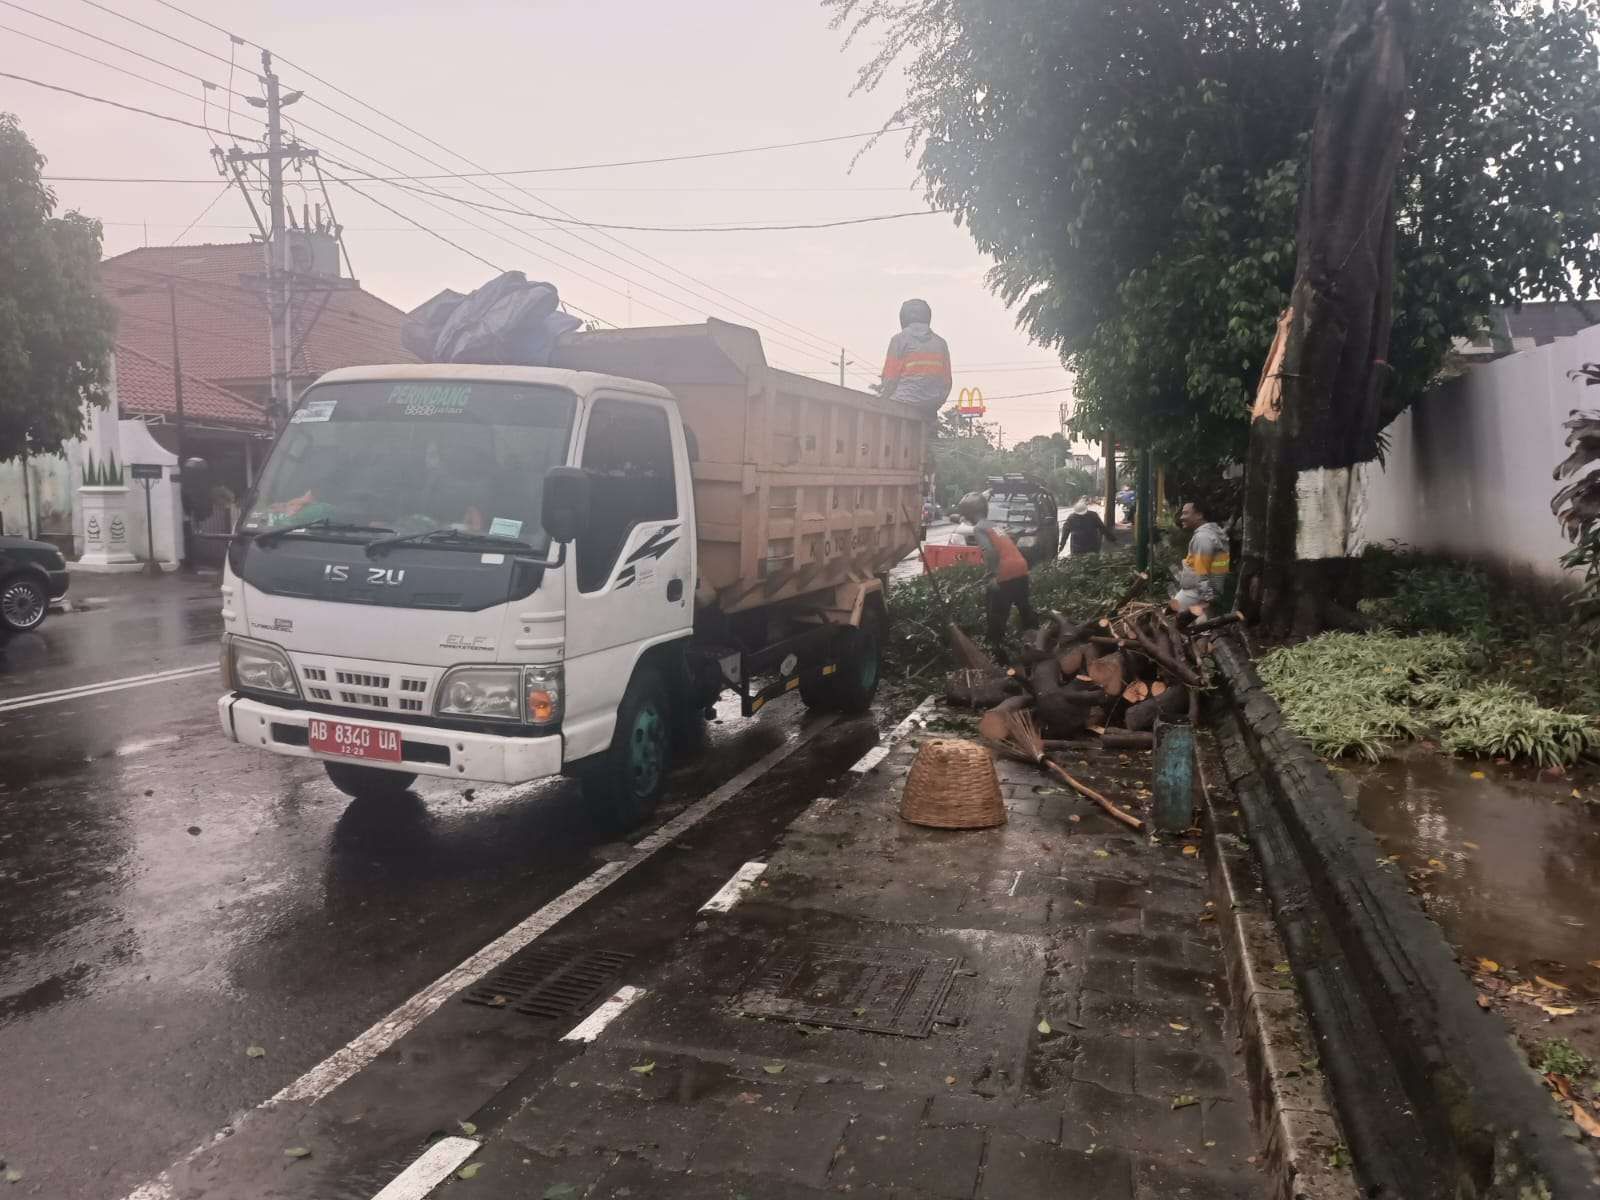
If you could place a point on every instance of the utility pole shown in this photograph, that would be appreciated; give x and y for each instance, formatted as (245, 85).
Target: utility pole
(841, 366)
(277, 249)
(177, 374)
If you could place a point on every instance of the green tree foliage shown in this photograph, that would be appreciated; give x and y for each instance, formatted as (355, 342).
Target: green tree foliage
(1133, 169)
(1577, 505)
(55, 330)
(964, 459)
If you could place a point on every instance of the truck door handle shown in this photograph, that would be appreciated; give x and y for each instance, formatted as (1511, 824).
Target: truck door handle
(675, 590)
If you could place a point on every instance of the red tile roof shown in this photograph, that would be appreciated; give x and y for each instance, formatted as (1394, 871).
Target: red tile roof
(222, 314)
(144, 389)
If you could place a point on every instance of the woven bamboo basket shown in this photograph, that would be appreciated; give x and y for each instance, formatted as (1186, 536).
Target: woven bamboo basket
(952, 785)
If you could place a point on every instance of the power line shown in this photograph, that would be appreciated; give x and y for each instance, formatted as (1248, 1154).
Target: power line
(55, 87)
(226, 188)
(168, 4)
(158, 32)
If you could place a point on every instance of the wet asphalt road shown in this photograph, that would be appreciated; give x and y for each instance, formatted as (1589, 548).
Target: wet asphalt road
(168, 899)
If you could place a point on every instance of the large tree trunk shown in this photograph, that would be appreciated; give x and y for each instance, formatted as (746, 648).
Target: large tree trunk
(1320, 403)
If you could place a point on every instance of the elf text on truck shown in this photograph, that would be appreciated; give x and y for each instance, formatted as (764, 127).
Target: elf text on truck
(509, 573)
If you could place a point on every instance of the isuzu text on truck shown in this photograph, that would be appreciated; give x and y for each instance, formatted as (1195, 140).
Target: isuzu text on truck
(510, 573)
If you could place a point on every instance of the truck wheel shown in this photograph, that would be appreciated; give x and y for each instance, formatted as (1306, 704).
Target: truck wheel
(23, 604)
(858, 651)
(368, 783)
(628, 780)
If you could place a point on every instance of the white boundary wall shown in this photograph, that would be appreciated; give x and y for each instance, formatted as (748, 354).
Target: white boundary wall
(1468, 468)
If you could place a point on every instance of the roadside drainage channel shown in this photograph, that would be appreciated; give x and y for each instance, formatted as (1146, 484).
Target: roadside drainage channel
(1434, 1098)
(1304, 1145)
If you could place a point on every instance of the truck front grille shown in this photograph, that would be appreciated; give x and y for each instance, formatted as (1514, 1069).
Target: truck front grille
(377, 687)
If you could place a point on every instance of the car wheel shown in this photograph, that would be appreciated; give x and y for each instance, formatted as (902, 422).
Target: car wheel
(368, 783)
(23, 604)
(627, 781)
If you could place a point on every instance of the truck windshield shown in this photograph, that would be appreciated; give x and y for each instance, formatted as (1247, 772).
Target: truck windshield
(407, 456)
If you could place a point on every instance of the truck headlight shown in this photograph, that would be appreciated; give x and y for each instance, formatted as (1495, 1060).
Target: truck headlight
(487, 693)
(259, 667)
(542, 691)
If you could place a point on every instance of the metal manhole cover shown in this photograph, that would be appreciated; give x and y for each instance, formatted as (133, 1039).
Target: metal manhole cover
(874, 988)
(550, 982)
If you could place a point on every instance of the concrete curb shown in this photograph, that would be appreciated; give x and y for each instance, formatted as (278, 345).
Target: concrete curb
(1435, 1098)
(1291, 1102)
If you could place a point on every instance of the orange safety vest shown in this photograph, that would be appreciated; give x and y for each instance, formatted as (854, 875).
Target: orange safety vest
(1012, 565)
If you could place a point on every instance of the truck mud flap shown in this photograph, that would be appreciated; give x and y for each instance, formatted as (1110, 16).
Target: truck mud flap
(782, 687)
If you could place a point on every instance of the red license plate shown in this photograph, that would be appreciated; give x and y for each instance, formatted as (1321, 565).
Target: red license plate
(353, 741)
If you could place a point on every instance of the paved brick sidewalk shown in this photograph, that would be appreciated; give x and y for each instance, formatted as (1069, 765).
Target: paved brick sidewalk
(1061, 918)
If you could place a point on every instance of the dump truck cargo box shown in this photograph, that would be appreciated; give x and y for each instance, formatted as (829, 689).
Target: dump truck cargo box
(800, 486)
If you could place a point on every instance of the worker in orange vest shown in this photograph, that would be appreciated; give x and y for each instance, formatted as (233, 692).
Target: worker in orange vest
(916, 370)
(1007, 572)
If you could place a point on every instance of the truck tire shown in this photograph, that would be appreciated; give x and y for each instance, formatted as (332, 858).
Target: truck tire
(627, 780)
(858, 651)
(368, 783)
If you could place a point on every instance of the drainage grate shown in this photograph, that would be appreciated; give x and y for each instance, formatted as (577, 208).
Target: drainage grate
(551, 982)
(874, 988)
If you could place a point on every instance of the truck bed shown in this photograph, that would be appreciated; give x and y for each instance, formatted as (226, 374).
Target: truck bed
(799, 485)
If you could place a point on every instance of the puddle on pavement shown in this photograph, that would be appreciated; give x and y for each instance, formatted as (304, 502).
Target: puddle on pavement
(1526, 890)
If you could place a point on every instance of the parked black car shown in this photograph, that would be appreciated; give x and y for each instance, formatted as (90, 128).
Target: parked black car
(31, 575)
(1026, 508)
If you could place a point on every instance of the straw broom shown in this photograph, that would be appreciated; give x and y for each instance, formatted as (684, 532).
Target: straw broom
(1022, 741)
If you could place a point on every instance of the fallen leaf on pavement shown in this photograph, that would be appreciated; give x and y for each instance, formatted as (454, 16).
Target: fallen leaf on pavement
(1471, 845)
(13, 1176)
(297, 1152)
(950, 1080)
(1281, 968)
(1556, 1010)
(1044, 1026)
(1561, 1083)
(467, 1127)
(747, 1098)
(1178, 1025)
(498, 1001)
(773, 1068)
(1585, 1120)
(559, 1191)
(255, 1051)
(1483, 1001)
(1184, 1101)
(1595, 963)
(1436, 864)
(643, 1068)
(1489, 965)
(1075, 818)
(1102, 854)
(1191, 849)
(468, 1171)
(1477, 775)
(1550, 983)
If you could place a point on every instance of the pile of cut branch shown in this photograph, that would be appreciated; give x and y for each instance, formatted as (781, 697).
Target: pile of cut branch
(1109, 678)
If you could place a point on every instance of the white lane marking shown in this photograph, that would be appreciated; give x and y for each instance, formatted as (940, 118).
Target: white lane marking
(429, 1171)
(881, 751)
(1014, 883)
(728, 894)
(110, 685)
(346, 1062)
(591, 1026)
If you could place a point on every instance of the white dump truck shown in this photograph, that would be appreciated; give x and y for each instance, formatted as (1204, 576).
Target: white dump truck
(510, 573)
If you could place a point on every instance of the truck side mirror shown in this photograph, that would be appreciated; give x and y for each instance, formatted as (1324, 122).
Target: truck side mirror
(565, 512)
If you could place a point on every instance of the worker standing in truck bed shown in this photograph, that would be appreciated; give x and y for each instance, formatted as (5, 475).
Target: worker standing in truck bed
(916, 370)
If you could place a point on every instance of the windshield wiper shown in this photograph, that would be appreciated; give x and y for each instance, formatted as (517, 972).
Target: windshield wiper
(446, 536)
(267, 536)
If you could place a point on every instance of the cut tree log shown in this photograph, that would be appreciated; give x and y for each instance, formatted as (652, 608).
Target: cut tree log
(1171, 703)
(1136, 691)
(978, 689)
(1127, 739)
(1070, 662)
(1111, 673)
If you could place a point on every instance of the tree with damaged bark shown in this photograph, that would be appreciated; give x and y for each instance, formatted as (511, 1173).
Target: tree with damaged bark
(1135, 172)
(1324, 395)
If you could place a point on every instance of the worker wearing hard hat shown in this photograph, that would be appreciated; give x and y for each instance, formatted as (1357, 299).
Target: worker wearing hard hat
(916, 370)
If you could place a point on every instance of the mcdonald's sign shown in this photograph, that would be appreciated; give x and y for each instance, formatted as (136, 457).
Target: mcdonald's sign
(970, 403)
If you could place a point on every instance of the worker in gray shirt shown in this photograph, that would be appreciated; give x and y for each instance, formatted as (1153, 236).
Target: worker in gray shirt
(1205, 567)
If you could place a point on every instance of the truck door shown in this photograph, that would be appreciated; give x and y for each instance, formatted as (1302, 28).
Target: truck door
(630, 583)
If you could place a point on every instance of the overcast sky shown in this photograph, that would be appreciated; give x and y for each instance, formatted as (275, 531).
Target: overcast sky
(542, 83)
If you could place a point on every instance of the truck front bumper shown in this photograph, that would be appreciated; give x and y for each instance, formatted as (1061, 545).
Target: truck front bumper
(444, 753)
